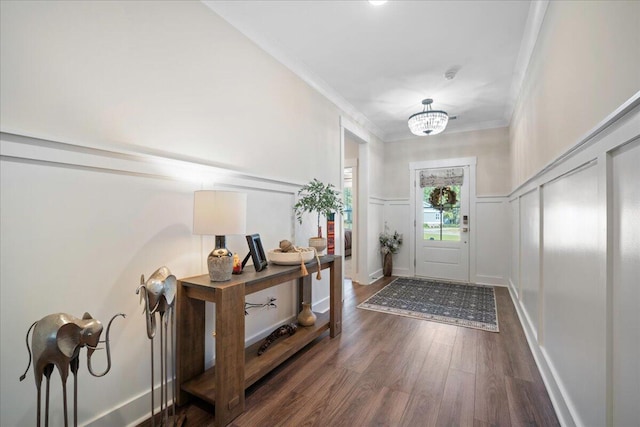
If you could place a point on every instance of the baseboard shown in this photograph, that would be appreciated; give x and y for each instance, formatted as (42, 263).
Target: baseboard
(512, 288)
(128, 413)
(403, 272)
(375, 276)
(322, 306)
(490, 280)
(555, 393)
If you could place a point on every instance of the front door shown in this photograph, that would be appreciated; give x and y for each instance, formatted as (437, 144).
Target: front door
(442, 223)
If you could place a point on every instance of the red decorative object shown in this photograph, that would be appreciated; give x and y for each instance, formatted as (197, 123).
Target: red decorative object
(331, 235)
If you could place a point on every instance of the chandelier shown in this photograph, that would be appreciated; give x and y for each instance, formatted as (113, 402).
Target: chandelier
(428, 121)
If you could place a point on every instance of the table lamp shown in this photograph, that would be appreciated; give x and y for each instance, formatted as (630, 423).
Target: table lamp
(219, 213)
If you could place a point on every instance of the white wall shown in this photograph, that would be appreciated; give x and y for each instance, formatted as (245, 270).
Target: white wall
(490, 147)
(573, 301)
(574, 280)
(585, 64)
(132, 106)
(167, 76)
(492, 232)
(625, 373)
(530, 241)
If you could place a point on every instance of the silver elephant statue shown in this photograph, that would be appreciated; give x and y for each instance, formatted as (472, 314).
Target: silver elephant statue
(159, 294)
(56, 341)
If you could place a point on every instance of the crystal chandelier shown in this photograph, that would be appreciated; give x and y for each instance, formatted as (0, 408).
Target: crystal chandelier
(428, 121)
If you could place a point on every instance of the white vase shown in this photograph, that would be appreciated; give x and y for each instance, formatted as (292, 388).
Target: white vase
(319, 243)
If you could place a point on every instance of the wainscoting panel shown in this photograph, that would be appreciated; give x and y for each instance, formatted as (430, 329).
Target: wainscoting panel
(514, 264)
(396, 217)
(626, 285)
(375, 226)
(574, 299)
(492, 240)
(582, 271)
(530, 256)
(73, 241)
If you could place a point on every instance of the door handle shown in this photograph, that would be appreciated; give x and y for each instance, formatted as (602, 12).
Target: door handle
(465, 229)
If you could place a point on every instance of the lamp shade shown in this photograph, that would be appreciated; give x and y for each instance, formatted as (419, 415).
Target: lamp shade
(219, 213)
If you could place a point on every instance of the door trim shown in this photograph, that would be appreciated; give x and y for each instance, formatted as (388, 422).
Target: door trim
(444, 163)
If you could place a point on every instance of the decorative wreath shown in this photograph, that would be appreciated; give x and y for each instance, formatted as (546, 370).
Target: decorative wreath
(442, 198)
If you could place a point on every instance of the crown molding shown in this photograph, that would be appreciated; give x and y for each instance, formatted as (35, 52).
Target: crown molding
(537, 11)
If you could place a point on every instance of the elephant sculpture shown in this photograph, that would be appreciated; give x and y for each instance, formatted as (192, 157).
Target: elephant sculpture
(56, 342)
(158, 294)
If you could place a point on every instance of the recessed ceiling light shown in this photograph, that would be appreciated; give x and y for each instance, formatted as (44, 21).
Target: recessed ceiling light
(377, 2)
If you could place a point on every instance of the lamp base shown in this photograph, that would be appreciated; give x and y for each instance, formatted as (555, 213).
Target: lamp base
(220, 267)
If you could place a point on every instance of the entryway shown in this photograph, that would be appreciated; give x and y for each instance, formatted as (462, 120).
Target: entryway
(441, 198)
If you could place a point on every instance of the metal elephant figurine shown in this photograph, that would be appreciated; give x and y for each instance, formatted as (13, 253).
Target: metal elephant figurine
(56, 341)
(159, 294)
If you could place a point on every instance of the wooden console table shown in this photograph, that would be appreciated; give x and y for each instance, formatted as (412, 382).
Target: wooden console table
(237, 368)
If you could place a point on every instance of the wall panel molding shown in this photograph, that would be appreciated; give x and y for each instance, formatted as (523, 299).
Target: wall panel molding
(576, 272)
(133, 161)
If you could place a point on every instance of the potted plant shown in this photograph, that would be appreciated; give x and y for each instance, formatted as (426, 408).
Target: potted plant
(389, 245)
(323, 199)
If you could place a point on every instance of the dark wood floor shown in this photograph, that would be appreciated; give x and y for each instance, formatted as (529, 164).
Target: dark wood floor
(388, 370)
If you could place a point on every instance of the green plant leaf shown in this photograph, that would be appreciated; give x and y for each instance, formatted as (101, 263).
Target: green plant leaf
(323, 199)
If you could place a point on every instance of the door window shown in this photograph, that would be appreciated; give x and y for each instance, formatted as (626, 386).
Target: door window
(440, 218)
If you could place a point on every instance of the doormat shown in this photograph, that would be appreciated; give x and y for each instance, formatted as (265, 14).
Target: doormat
(472, 306)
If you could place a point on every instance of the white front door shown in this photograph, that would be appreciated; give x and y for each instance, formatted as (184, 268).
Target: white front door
(442, 235)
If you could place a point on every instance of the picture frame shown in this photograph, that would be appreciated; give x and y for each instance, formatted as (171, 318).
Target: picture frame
(257, 252)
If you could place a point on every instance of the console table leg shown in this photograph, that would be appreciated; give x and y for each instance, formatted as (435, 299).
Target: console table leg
(335, 296)
(304, 291)
(190, 322)
(229, 400)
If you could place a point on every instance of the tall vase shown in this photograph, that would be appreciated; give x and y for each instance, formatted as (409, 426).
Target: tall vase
(387, 264)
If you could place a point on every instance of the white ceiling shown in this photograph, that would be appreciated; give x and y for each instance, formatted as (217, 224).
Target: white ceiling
(379, 62)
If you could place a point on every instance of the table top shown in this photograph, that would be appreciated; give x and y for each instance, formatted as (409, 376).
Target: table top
(249, 276)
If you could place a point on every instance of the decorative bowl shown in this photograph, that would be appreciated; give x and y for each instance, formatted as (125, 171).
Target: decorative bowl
(275, 256)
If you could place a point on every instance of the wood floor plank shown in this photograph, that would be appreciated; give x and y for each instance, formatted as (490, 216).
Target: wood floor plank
(445, 334)
(409, 357)
(360, 400)
(458, 400)
(274, 412)
(464, 354)
(529, 405)
(492, 357)
(491, 402)
(330, 393)
(387, 408)
(426, 395)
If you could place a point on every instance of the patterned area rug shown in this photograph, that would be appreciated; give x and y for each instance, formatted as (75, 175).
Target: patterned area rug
(473, 306)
